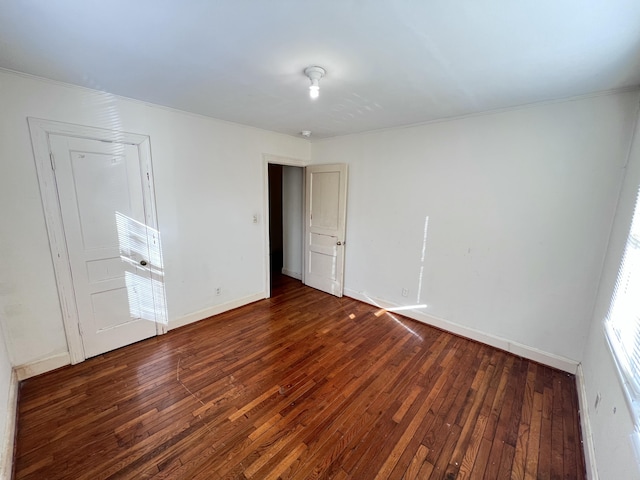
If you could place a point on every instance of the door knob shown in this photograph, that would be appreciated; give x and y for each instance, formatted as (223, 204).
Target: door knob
(339, 243)
(143, 262)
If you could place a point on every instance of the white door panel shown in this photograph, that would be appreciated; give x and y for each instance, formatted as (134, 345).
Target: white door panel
(100, 190)
(325, 218)
(325, 200)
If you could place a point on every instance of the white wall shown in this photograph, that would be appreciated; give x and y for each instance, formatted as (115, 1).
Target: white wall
(209, 185)
(611, 422)
(292, 224)
(519, 207)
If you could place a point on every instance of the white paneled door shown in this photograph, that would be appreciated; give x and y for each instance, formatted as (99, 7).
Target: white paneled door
(114, 257)
(325, 220)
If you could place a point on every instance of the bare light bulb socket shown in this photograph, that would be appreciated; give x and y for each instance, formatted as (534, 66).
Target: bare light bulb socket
(315, 74)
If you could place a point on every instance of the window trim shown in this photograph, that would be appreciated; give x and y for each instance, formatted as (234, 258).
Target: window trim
(632, 399)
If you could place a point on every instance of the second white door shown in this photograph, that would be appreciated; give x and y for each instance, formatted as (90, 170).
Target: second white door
(325, 221)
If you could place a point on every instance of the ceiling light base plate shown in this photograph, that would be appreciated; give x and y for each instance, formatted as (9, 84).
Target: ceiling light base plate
(315, 73)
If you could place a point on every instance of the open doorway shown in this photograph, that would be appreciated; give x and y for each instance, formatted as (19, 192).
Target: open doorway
(286, 210)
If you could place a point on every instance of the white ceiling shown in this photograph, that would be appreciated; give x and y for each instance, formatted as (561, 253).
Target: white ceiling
(389, 63)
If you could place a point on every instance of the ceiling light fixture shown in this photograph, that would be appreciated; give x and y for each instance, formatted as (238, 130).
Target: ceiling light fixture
(314, 74)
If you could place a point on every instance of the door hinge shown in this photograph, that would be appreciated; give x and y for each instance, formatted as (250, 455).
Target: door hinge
(53, 161)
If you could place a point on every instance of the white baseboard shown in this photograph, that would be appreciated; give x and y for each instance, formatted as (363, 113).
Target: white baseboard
(546, 358)
(215, 310)
(6, 454)
(41, 366)
(45, 365)
(292, 274)
(585, 424)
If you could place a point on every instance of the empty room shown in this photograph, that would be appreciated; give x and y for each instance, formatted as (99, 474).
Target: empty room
(340, 239)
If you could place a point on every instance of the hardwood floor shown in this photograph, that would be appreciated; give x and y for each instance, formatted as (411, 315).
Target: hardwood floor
(301, 385)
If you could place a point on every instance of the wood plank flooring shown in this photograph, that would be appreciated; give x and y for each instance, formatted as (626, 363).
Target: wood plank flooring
(301, 385)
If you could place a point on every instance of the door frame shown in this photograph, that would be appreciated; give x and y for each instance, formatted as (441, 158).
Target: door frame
(40, 131)
(290, 162)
